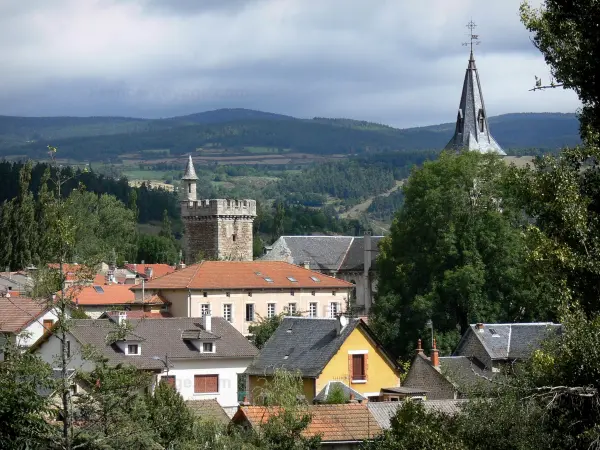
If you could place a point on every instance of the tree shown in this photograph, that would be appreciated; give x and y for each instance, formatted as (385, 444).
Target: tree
(288, 416)
(24, 241)
(336, 395)
(170, 417)
(263, 329)
(156, 249)
(22, 407)
(455, 255)
(414, 428)
(166, 230)
(567, 34)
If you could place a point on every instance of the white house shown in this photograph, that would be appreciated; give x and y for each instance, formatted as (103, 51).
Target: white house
(24, 320)
(204, 358)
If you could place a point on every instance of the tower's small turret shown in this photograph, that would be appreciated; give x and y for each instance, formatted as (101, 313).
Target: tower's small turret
(215, 228)
(189, 181)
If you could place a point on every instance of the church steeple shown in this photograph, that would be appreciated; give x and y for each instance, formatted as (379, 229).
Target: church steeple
(472, 129)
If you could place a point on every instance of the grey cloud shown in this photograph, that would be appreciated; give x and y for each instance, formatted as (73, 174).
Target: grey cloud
(186, 7)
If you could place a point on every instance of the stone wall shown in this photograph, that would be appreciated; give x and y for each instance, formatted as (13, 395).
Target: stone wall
(219, 229)
(422, 375)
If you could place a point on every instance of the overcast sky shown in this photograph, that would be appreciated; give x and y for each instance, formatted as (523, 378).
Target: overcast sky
(398, 62)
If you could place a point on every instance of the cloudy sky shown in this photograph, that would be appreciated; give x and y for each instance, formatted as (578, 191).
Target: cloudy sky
(398, 62)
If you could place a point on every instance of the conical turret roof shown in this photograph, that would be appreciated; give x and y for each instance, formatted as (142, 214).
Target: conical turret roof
(472, 129)
(190, 172)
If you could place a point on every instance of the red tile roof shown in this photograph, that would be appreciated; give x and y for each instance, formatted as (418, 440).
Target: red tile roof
(113, 294)
(139, 314)
(246, 275)
(158, 270)
(18, 312)
(345, 422)
(72, 271)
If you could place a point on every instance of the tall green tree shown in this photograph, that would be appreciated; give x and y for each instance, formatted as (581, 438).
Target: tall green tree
(455, 255)
(25, 233)
(170, 418)
(567, 34)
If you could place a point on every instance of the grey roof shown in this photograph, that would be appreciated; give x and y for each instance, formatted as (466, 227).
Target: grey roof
(511, 340)
(199, 334)
(322, 396)
(384, 411)
(209, 410)
(300, 343)
(466, 373)
(163, 337)
(324, 253)
(190, 172)
(472, 129)
(404, 390)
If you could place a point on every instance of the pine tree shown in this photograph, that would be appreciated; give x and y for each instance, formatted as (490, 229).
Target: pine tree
(25, 230)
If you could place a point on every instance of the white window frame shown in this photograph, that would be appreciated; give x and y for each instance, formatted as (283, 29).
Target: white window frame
(271, 314)
(291, 311)
(230, 312)
(212, 346)
(204, 306)
(139, 349)
(316, 311)
(338, 309)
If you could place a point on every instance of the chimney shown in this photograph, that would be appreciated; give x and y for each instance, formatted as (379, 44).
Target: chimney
(419, 347)
(479, 327)
(149, 272)
(135, 268)
(306, 264)
(340, 324)
(352, 399)
(207, 322)
(435, 359)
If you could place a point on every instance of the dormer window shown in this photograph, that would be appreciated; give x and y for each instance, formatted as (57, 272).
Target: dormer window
(133, 349)
(481, 120)
(208, 347)
(460, 122)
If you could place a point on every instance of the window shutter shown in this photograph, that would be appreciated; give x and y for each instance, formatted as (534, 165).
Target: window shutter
(350, 374)
(204, 384)
(199, 384)
(366, 363)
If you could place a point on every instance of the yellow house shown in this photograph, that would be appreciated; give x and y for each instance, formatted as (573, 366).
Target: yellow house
(324, 351)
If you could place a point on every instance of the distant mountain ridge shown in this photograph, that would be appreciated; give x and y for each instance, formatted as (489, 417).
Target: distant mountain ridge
(102, 138)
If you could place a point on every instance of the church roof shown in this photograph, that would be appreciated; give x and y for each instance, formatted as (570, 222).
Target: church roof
(472, 128)
(190, 172)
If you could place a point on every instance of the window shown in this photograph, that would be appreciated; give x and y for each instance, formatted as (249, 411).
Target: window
(313, 293)
(481, 120)
(206, 384)
(227, 312)
(333, 309)
(68, 343)
(48, 324)
(268, 280)
(291, 308)
(292, 292)
(189, 188)
(312, 309)
(133, 349)
(249, 293)
(233, 237)
(99, 289)
(358, 368)
(333, 292)
(227, 294)
(207, 347)
(170, 380)
(205, 294)
(249, 312)
(315, 279)
(292, 279)
(270, 310)
(205, 309)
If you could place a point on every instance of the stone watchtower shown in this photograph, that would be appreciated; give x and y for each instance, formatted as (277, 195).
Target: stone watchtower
(216, 228)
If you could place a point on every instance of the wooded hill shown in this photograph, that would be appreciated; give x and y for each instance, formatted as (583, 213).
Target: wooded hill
(237, 130)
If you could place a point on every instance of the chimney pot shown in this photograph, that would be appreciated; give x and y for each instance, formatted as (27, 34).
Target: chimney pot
(435, 359)
(479, 326)
(306, 264)
(419, 346)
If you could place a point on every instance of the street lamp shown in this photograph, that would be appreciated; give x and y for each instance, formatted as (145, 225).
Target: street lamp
(164, 361)
(429, 324)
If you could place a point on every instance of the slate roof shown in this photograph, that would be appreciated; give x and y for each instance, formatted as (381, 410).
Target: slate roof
(136, 314)
(468, 134)
(349, 422)
(160, 337)
(16, 313)
(300, 343)
(209, 410)
(323, 253)
(245, 275)
(190, 172)
(324, 393)
(512, 340)
(384, 411)
(466, 373)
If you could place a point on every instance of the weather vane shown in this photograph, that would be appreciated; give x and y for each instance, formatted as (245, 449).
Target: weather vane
(473, 38)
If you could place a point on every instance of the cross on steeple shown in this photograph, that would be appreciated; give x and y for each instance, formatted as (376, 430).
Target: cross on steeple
(473, 38)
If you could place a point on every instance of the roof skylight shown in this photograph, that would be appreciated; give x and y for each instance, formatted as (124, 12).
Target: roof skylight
(315, 279)
(292, 279)
(269, 280)
(99, 289)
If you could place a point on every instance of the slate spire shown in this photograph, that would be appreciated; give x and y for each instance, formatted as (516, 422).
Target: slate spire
(190, 172)
(472, 131)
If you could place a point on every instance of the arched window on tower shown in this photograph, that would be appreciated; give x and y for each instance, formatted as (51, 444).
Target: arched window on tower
(481, 120)
(189, 188)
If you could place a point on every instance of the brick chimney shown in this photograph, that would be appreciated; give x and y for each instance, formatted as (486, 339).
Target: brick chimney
(479, 327)
(149, 272)
(435, 359)
(419, 347)
(306, 264)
